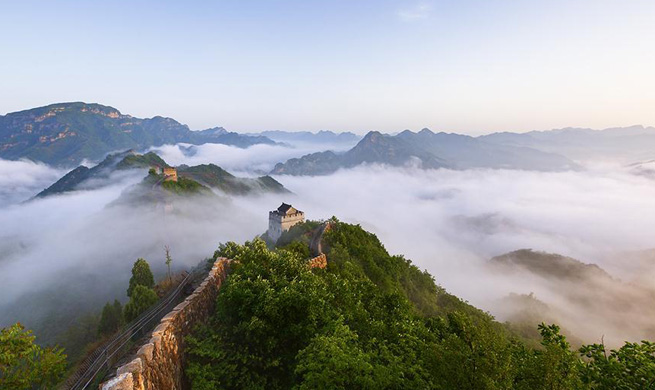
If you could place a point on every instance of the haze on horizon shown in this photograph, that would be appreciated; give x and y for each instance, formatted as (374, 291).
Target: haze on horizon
(468, 66)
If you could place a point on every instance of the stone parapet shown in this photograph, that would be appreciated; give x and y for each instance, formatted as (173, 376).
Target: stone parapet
(159, 363)
(319, 261)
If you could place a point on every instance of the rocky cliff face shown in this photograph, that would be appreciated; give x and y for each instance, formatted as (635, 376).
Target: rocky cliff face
(64, 134)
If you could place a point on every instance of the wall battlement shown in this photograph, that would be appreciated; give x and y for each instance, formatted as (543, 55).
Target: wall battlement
(159, 363)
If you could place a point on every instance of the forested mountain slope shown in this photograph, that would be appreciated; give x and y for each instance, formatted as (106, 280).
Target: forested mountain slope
(374, 321)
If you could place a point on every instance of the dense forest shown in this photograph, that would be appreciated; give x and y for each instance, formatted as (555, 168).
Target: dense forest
(371, 320)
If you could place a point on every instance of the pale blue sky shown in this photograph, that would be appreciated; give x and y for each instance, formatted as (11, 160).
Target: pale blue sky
(460, 65)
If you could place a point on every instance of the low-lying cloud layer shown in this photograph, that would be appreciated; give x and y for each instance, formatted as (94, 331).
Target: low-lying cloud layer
(452, 222)
(260, 158)
(448, 222)
(21, 179)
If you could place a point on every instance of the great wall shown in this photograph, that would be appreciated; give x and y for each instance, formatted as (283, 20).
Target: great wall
(159, 362)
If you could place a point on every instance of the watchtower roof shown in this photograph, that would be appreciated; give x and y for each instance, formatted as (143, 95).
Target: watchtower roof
(284, 208)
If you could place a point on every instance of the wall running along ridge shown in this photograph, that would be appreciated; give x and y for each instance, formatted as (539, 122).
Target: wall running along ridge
(319, 261)
(159, 363)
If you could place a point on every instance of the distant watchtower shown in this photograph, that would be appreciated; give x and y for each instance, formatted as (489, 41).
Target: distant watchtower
(170, 174)
(282, 219)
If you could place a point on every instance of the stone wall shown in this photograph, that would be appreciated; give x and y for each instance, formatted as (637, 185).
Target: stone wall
(319, 261)
(159, 363)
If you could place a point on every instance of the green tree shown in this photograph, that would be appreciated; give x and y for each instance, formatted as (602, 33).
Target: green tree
(553, 367)
(336, 361)
(25, 365)
(142, 298)
(141, 276)
(301, 249)
(270, 311)
(470, 354)
(630, 367)
(270, 308)
(80, 334)
(111, 319)
(372, 320)
(169, 260)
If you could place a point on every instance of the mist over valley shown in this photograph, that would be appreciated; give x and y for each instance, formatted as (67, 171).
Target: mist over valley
(449, 221)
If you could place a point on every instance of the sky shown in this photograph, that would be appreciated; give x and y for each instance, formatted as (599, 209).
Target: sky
(467, 66)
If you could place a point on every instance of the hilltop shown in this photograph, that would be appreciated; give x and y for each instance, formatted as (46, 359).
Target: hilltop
(552, 266)
(372, 320)
(65, 134)
(216, 177)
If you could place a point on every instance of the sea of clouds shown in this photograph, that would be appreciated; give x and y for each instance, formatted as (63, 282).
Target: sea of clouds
(448, 222)
(256, 159)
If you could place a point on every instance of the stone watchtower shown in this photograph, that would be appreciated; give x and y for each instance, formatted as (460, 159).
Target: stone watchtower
(170, 174)
(282, 219)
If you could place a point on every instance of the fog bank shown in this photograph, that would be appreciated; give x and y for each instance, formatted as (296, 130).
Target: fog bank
(257, 159)
(452, 222)
(19, 180)
(448, 222)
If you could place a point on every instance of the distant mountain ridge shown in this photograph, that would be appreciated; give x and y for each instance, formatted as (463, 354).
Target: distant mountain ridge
(210, 175)
(631, 144)
(324, 136)
(552, 266)
(577, 292)
(432, 150)
(65, 134)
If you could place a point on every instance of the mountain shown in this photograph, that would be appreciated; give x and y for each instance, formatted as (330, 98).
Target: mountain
(373, 148)
(320, 163)
(155, 190)
(552, 266)
(579, 295)
(65, 134)
(465, 152)
(374, 320)
(432, 150)
(216, 177)
(643, 168)
(204, 175)
(626, 143)
(81, 177)
(323, 136)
